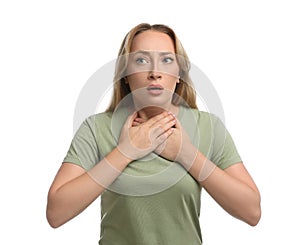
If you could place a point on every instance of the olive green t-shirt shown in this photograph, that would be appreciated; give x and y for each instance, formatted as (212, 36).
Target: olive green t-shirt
(153, 201)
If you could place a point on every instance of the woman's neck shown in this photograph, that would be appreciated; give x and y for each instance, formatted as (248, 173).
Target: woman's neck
(151, 111)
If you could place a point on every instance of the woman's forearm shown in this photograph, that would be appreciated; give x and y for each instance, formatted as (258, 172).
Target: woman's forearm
(71, 198)
(237, 197)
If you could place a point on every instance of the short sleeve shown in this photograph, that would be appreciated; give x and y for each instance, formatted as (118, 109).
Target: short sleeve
(83, 150)
(224, 152)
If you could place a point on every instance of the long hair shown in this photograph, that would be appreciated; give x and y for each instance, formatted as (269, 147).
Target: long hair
(184, 89)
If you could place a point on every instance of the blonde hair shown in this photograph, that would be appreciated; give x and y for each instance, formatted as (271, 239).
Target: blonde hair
(184, 89)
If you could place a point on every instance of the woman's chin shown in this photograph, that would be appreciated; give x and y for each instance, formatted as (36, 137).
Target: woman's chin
(152, 98)
(151, 101)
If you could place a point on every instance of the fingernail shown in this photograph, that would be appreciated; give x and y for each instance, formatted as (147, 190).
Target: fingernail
(171, 113)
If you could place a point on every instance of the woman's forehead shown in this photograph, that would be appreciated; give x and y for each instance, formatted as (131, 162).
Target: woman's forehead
(152, 41)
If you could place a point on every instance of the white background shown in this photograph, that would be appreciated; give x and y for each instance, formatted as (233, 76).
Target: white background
(248, 49)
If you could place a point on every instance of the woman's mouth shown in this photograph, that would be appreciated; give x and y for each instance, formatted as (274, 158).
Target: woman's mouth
(155, 89)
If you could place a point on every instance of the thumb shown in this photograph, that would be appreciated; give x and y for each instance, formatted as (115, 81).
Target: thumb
(142, 115)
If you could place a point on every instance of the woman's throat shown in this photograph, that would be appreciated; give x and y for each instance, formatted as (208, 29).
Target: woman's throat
(151, 111)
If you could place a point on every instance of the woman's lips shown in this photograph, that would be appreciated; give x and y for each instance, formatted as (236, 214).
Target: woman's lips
(155, 89)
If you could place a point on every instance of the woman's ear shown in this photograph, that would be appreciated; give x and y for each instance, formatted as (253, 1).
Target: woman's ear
(178, 81)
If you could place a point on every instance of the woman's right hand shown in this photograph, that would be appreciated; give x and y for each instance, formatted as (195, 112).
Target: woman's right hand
(138, 141)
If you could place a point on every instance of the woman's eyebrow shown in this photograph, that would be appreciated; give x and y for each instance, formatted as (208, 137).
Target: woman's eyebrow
(166, 53)
(142, 52)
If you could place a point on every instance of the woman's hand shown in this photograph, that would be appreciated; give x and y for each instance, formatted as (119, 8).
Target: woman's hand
(177, 147)
(138, 141)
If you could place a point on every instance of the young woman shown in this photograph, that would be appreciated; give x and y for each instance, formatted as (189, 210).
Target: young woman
(151, 152)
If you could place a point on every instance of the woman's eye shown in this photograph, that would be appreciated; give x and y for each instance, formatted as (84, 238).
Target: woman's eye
(141, 61)
(168, 60)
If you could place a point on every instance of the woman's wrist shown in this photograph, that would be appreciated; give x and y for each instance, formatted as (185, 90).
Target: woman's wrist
(187, 156)
(202, 167)
(109, 168)
(119, 159)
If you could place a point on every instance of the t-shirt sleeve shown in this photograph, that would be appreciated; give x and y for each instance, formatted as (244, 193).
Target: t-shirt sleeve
(83, 150)
(224, 152)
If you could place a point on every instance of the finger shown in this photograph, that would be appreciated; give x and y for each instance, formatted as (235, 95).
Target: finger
(130, 119)
(142, 114)
(162, 128)
(163, 125)
(159, 149)
(160, 139)
(157, 118)
(134, 124)
(165, 121)
(139, 120)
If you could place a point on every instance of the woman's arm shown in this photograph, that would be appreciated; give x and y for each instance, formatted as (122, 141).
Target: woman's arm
(73, 189)
(233, 189)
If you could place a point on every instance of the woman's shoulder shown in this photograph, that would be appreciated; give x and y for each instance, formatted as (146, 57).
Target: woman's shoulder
(100, 116)
(200, 115)
(97, 119)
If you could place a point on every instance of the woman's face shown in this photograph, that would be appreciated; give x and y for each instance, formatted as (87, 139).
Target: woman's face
(152, 67)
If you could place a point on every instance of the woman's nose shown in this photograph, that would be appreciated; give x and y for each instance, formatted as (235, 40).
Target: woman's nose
(154, 75)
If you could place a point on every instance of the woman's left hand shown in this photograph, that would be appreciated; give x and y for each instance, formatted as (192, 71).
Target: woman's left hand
(178, 147)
